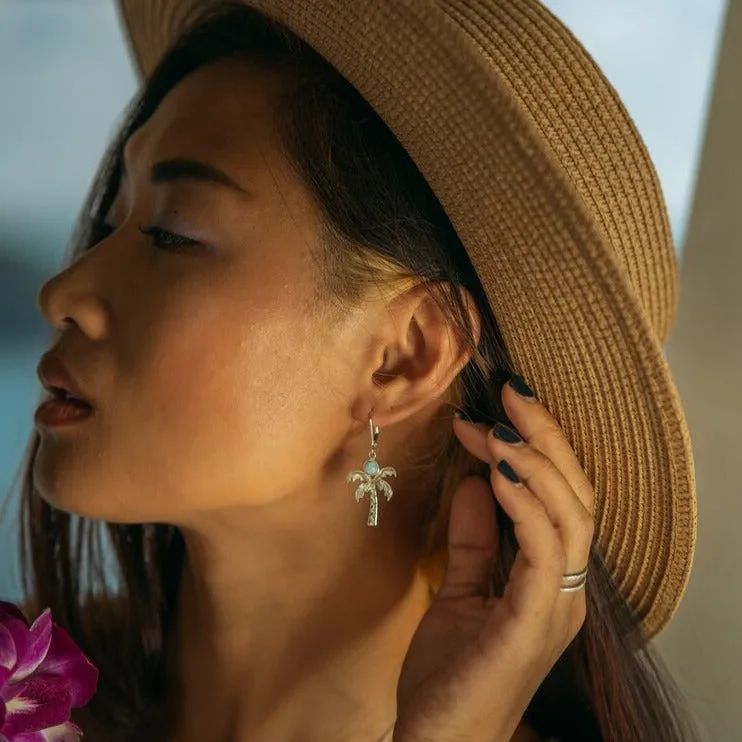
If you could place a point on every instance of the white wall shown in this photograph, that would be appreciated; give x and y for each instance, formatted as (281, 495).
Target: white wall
(703, 643)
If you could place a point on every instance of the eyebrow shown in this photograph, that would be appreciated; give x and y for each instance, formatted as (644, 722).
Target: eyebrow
(182, 168)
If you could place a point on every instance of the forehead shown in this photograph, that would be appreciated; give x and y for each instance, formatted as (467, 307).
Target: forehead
(223, 113)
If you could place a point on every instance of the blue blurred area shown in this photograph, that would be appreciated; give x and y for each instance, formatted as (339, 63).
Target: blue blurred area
(64, 80)
(65, 77)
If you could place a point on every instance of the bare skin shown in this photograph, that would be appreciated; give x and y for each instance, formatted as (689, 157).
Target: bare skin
(227, 407)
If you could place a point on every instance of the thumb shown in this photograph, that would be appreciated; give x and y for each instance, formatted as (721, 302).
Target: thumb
(472, 541)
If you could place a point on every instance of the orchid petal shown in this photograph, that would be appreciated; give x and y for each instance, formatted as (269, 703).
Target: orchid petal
(8, 653)
(10, 610)
(19, 632)
(37, 703)
(68, 732)
(67, 660)
(40, 638)
(3, 714)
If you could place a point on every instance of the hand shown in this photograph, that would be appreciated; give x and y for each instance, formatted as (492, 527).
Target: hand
(476, 660)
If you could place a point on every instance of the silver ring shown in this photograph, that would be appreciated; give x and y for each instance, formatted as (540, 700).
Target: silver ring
(573, 582)
(572, 588)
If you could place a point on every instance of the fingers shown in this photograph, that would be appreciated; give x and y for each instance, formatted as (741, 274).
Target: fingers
(542, 558)
(539, 428)
(542, 432)
(546, 482)
(561, 548)
(542, 460)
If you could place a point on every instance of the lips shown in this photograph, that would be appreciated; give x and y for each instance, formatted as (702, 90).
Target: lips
(58, 381)
(65, 396)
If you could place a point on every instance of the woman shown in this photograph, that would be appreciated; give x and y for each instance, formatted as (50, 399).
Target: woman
(315, 237)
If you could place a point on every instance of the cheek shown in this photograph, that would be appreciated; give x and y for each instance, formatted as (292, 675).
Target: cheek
(220, 406)
(214, 406)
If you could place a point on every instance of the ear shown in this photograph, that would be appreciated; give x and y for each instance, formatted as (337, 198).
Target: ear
(417, 356)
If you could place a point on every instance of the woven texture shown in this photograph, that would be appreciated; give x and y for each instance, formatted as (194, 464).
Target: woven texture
(551, 190)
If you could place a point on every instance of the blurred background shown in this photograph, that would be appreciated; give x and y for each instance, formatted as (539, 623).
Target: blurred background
(65, 77)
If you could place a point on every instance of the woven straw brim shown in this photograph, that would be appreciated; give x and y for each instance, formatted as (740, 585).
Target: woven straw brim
(560, 211)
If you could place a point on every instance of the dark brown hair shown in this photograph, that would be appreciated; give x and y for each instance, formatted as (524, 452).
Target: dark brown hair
(382, 223)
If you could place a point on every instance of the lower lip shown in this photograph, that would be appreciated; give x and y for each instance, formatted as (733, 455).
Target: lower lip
(55, 412)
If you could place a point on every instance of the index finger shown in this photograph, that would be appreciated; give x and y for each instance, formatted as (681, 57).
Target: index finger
(540, 429)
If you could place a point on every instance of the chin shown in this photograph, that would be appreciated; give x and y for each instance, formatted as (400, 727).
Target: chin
(70, 486)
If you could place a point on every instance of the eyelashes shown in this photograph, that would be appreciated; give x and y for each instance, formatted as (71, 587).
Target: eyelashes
(161, 239)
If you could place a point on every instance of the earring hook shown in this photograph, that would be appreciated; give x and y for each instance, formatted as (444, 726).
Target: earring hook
(373, 430)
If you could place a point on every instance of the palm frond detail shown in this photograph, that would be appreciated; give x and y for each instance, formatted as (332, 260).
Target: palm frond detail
(385, 489)
(370, 483)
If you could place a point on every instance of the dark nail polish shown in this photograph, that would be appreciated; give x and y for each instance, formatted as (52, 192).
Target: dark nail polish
(504, 468)
(504, 433)
(520, 386)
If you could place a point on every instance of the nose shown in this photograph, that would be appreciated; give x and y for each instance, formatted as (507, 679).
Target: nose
(69, 298)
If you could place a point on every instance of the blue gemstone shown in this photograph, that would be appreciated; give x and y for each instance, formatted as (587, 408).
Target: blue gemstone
(371, 467)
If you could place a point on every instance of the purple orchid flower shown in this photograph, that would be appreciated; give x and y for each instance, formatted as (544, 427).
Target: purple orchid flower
(43, 675)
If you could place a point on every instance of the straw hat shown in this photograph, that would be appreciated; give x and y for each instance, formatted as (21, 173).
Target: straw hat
(551, 190)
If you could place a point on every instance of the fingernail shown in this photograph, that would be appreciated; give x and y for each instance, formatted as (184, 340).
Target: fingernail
(520, 386)
(504, 433)
(505, 469)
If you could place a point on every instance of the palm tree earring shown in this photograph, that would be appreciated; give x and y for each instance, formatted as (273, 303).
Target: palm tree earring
(372, 477)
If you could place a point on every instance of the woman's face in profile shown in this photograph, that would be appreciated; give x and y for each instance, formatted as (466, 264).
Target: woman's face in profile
(215, 381)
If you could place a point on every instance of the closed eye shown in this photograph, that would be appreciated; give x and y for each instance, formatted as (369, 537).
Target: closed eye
(165, 240)
(162, 239)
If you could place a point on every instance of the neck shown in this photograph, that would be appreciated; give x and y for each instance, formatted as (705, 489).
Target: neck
(286, 634)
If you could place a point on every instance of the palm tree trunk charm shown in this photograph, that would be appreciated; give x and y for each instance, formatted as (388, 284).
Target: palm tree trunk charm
(372, 478)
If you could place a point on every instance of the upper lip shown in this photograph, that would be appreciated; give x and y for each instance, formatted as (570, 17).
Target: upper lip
(55, 378)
